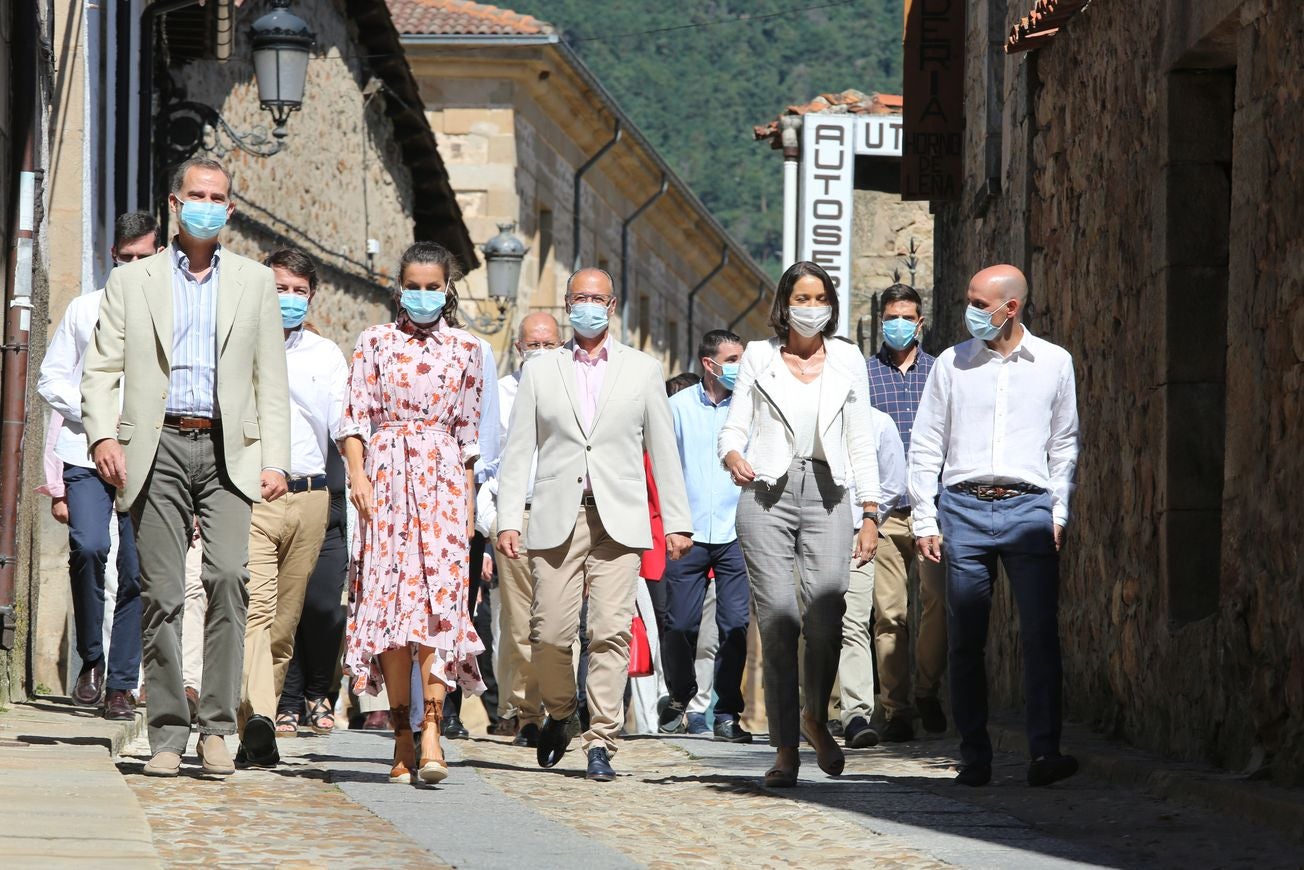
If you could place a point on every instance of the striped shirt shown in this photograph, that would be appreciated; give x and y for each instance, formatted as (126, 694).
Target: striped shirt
(192, 383)
(897, 393)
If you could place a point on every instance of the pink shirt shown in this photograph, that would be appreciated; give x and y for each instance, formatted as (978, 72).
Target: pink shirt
(589, 374)
(51, 464)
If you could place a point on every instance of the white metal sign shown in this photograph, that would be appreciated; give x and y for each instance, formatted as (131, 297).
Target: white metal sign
(828, 169)
(878, 135)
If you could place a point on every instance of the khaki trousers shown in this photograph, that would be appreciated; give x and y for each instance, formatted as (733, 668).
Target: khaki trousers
(284, 539)
(591, 563)
(192, 622)
(518, 683)
(856, 664)
(896, 554)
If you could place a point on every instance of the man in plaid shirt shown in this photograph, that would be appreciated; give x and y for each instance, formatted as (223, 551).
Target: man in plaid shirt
(897, 374)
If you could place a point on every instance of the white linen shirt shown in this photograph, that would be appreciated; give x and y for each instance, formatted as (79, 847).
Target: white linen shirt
(486, 502)
(985, 418)
(61, 370)
(490, 438)
(319, 380)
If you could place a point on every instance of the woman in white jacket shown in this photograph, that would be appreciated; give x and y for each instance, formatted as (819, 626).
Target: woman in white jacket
(800, 440)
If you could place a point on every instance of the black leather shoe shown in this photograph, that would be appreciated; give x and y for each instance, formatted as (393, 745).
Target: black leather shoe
(88, 691)
(452, 728)
(554, 737)
(671, 720)
(859, 734)
(527, 736)
(1051, 768)
(931, 715)
(258, 744)
(899, 730)
(600, 769)
(118, 706)
(974, 775)
(835, 727)
(728, 730)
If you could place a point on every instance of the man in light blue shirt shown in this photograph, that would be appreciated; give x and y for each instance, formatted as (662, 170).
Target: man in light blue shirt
(699, 413)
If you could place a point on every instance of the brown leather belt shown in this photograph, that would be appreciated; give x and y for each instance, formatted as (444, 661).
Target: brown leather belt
(997, 492)
(176, 421)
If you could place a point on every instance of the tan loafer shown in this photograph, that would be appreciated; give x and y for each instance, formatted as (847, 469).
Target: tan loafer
(214, 757)
(163, 763)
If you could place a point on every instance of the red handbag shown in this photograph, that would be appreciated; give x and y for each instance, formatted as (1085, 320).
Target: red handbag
(640, 651)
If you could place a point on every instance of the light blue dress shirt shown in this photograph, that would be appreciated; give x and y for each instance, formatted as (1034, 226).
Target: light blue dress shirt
(712, 494)
(491, 435)
(193, 379)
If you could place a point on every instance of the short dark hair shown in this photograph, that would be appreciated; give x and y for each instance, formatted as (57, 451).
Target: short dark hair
(179, 175)
(296, 263)
(797, 271)
(434, 254)
(900, 293)
(711, 342)
(682, 381)
(132, 225)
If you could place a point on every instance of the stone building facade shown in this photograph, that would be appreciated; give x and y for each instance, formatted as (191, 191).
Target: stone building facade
(1149, 174)
(517, 117)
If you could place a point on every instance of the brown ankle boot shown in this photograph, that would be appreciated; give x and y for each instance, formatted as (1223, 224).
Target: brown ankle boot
(433, 770)
(405, 751)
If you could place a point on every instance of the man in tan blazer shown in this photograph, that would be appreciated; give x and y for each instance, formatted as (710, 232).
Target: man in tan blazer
(590, 408)
(192, 338)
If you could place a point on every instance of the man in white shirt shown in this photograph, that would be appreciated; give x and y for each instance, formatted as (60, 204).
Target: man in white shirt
(856, 663)
(285, 535)
(998, 421)
(519, 701)
(89, 499)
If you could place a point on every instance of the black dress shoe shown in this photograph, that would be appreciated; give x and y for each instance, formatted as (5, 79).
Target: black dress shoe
(600, 769)
(931, 715)
(89, 688)
(899, 730)
(527, 736)
(835, 727)
(452, 728)
(118, 706)
(258, 743)
(859, 734)
(728, 730)
(1051, 768)
(671, 720)
(554, 737)
(974, 775)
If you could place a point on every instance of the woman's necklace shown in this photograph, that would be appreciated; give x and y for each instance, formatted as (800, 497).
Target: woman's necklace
(810, 362)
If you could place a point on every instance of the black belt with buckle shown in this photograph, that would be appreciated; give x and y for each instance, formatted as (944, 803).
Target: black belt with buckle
(190, 424)
(997, 491)
(306, 484)
(588, 501)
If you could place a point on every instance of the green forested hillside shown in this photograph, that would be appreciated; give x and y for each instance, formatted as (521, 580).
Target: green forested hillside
(696, 91)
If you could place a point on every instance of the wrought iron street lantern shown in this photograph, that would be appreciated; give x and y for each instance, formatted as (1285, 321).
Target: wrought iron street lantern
(281, 42)
(503, 255)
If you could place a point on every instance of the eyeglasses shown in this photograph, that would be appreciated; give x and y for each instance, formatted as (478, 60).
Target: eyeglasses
(540, 345)
(590, 299)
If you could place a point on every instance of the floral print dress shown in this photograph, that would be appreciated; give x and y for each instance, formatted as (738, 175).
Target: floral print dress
(414, 399)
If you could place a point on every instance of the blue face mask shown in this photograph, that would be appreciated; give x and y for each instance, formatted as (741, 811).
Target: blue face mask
(899, 333)
(589, 319)
(728, 376)
(980, 323)
(424, 306)
(203, 220)
(294, 308)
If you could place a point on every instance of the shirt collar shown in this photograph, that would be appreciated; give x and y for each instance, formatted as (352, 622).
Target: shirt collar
(1026, 348)
(580, 355)
(705, 398)
(295, 338)
(434, 330)
(181, 261)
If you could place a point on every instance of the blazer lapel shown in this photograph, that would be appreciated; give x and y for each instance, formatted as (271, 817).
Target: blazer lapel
(230, 290)
(771, 383)
(158, 296)
(566, 367)
(615, 358)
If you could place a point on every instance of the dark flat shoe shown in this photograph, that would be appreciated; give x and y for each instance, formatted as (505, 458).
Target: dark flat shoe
(859, 734)
(830, 759)
(730, 731)
(974, 775)
(599, 769)
(777, 777)
(1051, 768)
(527, 736)
(554, 738)
(258, 743)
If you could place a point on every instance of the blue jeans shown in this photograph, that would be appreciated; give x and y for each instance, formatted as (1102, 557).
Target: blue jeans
(1020, 532)
(685, 582)
(90, 510)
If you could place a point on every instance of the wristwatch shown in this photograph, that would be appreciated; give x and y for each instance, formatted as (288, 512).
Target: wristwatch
(870, 515)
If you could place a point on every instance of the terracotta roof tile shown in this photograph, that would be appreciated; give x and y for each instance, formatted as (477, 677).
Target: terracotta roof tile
(1040, 25)
(461, 17)
(849, 102)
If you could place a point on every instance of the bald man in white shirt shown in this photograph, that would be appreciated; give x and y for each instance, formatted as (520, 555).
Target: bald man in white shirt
(999, 423)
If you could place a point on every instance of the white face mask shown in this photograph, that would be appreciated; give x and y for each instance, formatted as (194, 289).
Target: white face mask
(810, 321)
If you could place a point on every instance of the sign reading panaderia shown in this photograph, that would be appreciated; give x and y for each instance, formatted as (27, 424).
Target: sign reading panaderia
(933, 78)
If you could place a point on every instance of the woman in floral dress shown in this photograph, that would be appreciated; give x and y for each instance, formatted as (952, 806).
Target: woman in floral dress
(409, 440)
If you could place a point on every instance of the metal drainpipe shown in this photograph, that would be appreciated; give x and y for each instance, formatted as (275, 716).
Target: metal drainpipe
(790, 127)
(145, 99)
(760, 294)
(692, 294)
(18, 316)
(624, 256)
(579, 178)
(225, 30)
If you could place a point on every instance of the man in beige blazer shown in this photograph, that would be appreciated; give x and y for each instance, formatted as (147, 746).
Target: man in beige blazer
(590, 409)
(192, 337)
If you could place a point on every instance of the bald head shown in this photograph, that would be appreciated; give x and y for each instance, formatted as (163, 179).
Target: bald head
(539, 331)
(997, 284)
(590, 281)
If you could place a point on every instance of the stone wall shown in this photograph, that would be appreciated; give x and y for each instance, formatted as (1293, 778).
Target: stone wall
(1109, 209)
(339, 181)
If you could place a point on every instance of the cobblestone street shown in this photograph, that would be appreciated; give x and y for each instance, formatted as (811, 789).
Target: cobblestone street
(678, 802)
